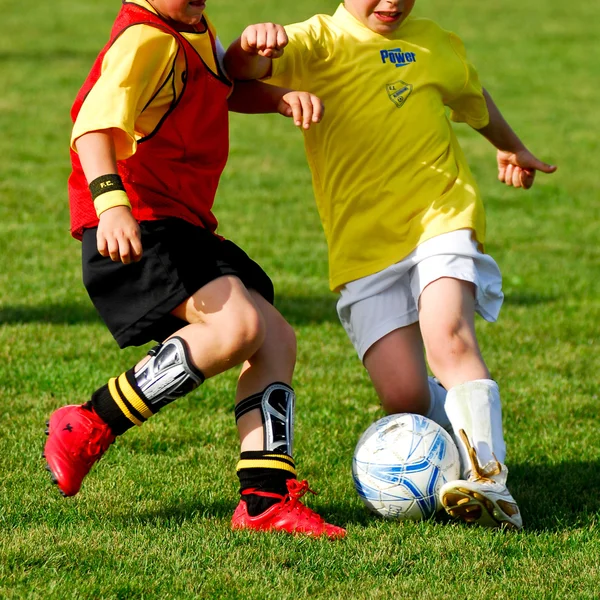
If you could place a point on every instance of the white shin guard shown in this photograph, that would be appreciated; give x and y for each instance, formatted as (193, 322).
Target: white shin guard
(475, 408)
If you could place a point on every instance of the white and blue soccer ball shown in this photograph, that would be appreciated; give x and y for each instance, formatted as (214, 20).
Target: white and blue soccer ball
(400, 464)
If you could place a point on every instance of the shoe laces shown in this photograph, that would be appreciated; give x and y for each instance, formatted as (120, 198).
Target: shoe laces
(297, 489)
(291, 501)
(98, 445)
(480, 473)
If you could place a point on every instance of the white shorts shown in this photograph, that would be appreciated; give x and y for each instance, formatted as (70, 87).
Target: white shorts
(373, 306)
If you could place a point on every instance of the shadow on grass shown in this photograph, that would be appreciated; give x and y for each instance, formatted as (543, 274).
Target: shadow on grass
(177, 513)
(528, 299)
(298, 310)
(552, 498)
(557, 497)
(48, 313)
(304, 310)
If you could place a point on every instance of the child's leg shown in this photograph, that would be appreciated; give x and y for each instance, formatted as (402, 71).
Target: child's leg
(226, 329)
(273, 362)
(397, 369)
(228, 326)
(447, 310)
(447, 314)
(447, 318)
(380, 316)
(265, 420)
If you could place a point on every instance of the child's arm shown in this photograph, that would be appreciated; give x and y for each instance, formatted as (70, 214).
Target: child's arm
(516, 165)
(253, 97)
(118, 233)
(251, 55)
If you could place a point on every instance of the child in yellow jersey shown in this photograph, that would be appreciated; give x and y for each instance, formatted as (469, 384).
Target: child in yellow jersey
(149, 143)
(403, 217)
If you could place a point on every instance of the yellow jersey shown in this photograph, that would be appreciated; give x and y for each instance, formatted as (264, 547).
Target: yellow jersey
(388, 172)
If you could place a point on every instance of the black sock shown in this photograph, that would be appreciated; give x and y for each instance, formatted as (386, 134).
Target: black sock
(121, 404)
(264, 471)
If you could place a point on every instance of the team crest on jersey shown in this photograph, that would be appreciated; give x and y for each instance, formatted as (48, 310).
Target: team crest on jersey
(398, 92)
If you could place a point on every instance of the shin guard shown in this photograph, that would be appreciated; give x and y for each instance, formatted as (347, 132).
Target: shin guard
(168, 375)
(474, 407)
(276, 405)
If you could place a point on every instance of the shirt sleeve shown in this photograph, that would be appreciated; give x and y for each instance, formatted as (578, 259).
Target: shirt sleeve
(469, 105)
(292, 68)
(133, 70)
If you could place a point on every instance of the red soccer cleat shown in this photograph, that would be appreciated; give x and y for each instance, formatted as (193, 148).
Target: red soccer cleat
(289, 515)
(77, 438)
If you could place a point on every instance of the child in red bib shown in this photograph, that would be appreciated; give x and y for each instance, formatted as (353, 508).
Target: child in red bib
(149, 143)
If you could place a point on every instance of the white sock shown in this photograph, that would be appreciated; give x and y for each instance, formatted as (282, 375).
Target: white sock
(475, 407)
(437, 412)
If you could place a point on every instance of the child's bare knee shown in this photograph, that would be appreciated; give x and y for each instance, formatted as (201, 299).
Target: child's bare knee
(240, 333)
(248, 332)
(286, 337)
(449, 349)
(412, 398)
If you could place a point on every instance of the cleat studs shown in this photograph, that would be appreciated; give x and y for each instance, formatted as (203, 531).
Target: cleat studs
(463, 501)
(53, 477)
(43, 455)
(47, 431)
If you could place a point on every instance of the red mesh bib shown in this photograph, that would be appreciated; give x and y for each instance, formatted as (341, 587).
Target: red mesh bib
(176, 169)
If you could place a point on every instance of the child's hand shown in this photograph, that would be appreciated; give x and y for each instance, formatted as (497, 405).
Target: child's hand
(303, 107)
(518, 169)
(118, 235)
(264, 39)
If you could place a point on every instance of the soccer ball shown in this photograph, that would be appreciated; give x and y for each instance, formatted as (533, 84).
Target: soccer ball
(400, 464)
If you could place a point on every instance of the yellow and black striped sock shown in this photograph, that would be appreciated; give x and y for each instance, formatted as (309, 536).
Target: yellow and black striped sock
(121, 404)
(264, 471)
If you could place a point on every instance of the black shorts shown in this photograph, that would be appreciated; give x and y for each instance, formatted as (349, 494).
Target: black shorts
(135, 300)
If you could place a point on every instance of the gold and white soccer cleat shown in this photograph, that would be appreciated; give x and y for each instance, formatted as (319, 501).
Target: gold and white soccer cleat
(484, 498)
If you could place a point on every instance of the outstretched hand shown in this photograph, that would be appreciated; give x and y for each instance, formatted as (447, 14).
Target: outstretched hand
(264, 39)
(304, 108)
(518, 169)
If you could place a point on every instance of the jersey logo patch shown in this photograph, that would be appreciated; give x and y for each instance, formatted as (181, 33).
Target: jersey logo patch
(398, 92)
(396, 57)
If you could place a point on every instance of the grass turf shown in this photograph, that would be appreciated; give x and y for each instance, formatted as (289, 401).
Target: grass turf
(152, 520)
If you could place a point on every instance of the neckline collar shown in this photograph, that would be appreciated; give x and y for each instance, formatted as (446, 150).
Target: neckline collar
(347, 20)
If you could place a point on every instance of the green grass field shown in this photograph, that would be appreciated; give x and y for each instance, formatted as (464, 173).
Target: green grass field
(152, 520)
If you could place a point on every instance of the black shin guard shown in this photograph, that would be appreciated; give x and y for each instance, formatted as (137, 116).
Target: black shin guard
(268, 470)
(276, 405)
